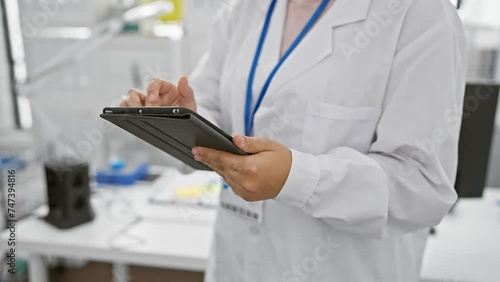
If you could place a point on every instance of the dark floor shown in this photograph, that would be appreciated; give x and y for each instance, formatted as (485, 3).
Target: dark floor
(101, 272)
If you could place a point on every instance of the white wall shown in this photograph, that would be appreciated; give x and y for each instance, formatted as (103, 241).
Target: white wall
(481, 12)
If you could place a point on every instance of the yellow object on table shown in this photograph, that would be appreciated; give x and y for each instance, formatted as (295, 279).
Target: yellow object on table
(176, 15)
(190, 192)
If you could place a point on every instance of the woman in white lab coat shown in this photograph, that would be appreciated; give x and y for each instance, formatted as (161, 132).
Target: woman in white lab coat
(355, 116)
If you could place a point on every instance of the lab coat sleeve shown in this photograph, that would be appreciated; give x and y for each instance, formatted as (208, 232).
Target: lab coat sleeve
(205, 79)
(404, 183)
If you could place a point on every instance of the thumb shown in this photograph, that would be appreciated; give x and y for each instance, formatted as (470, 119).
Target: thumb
(253, 145)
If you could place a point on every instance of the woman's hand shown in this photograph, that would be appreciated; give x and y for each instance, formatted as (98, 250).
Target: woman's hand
(255, 177)
(162, 93)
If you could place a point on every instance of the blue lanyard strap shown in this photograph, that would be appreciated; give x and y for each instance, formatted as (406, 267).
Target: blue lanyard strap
(249, 112)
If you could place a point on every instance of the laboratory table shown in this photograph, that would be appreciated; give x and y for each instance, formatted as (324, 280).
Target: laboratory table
(127, 230)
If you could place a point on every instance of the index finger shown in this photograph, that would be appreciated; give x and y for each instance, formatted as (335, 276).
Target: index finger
(156, 89)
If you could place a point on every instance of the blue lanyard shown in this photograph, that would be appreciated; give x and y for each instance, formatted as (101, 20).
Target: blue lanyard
(249, 112)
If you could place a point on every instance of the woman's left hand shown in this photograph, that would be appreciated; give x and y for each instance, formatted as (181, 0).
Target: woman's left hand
(256, 177)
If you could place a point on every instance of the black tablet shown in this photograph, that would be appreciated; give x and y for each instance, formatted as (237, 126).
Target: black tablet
(174, 130)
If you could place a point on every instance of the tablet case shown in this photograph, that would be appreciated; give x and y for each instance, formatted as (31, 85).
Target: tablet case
(175, 134)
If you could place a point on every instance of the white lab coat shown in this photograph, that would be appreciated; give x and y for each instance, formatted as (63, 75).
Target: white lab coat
(370, 105)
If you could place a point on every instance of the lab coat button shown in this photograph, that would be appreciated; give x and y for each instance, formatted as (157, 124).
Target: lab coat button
(254, 230)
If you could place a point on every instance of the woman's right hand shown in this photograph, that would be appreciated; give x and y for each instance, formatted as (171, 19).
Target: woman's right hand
(162, 93)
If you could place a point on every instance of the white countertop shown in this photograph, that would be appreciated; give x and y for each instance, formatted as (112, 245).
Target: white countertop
(159, 236)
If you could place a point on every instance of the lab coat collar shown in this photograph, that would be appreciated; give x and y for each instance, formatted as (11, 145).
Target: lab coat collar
(317, 45)
(342, 11)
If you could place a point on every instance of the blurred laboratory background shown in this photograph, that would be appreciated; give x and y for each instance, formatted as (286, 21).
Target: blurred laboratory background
(62, 61)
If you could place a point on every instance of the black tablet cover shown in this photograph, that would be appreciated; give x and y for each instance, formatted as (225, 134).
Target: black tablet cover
(173, 130)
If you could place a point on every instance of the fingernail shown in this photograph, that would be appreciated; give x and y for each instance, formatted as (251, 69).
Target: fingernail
(242, 141)
(151, 97)
(195, 152)
(197, 158)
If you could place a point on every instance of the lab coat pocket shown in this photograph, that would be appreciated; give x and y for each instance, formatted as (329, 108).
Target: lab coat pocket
(328, 126)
